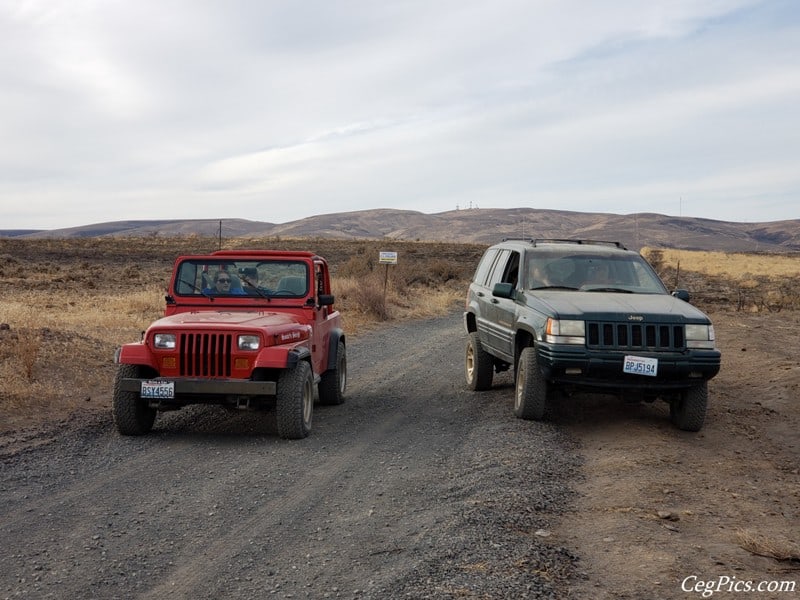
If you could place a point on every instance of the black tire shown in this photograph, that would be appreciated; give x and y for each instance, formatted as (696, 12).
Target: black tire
(333, 383)
(530, 397)
(295, 401)
(688, 411)
(478, 364)
(132, 415)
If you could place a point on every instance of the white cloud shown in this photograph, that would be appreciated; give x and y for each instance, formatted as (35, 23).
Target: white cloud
(279, 110)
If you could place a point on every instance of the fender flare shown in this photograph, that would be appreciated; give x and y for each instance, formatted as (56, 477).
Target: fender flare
(295, 355)
(337, 335)
(524, 330)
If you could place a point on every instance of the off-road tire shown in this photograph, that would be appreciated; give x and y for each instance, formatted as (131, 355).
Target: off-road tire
(688, 411)
(530, 391)
(132, 415)
(333, 383)
(295, 401)
(478, 364)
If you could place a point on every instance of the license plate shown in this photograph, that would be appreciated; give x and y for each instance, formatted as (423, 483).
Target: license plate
(639, 365)
(158, 390)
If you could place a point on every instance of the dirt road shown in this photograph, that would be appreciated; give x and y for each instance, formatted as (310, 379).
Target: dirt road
(417, 488)
(413, 488)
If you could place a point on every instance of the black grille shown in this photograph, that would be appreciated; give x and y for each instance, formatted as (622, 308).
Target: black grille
(205, 354)
(635, 336)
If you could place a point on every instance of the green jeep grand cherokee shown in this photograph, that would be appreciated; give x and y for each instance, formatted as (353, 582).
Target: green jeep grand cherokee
(586, 315)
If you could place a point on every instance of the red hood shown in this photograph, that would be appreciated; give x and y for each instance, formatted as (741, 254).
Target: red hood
(222, 318)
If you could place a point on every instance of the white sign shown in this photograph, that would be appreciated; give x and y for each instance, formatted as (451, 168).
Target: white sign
(388, 258)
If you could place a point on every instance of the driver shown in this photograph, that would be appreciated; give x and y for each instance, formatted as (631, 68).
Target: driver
(599, 273)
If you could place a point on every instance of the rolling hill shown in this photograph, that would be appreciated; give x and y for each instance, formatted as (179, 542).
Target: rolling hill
(472, 226)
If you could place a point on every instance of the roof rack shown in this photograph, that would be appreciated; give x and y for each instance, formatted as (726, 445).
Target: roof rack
(568, 241)
(536, 241)
(519, 239)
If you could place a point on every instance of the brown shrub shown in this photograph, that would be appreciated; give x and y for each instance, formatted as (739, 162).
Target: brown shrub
(364, 295)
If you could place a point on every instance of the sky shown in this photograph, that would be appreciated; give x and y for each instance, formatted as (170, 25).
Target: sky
(277, 110)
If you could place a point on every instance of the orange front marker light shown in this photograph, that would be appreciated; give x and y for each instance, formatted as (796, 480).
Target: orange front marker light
(549, 327)
(168, 362)
(241, 364)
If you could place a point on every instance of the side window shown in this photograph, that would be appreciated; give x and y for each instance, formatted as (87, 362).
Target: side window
(484, 266)
(511, 272)
(499, 269)
(319, 277)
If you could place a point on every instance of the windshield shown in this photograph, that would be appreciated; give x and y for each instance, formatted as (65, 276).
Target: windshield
(582, 271)
(231, 277)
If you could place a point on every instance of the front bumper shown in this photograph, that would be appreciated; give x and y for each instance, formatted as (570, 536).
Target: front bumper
(581, 367)
(207, 387)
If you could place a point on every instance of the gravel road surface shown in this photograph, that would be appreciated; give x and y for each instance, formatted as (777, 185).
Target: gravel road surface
(414, 488)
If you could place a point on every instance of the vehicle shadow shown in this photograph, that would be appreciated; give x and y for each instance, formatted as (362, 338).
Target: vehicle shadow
(601, 410)
(199, 420)
(591, 409)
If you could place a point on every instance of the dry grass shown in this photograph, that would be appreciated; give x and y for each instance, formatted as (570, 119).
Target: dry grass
(92, 312)
(772, 547)
(732, 265)
(364, 304)
(756, 282)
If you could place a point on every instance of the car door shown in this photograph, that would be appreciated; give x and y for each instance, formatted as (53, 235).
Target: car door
(481, 291)
(505, 309)
(499, 312)
(322, 325)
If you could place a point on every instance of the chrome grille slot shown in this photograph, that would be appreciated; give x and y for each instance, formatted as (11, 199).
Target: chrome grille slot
(205, 354)
(634, 336)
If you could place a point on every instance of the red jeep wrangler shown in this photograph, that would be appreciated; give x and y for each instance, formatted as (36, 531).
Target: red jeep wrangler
(243, 329)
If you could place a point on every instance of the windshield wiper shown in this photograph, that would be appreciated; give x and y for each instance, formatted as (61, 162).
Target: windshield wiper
(254, 286)
(608, 289)
(196, 289)
(554, 287)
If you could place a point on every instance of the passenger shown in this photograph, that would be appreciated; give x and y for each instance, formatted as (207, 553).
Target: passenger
(222, 285)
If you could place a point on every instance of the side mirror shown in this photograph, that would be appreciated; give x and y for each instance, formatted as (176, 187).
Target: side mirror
(681, 295)
(503, 290)
(326, 299)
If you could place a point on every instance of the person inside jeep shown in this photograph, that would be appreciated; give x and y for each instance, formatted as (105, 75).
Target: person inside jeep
(223, 285)
(599, 273)
(536, 276)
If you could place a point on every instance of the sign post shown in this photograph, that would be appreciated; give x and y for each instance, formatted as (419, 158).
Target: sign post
(386, 258)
